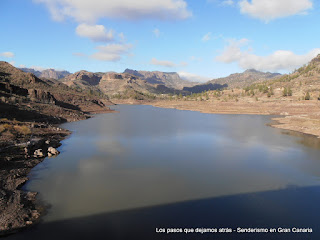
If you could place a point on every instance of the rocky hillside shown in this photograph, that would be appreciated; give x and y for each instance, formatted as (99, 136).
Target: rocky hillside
(169, 79)
(23, 95)
(236, 80)
(116, 84)
(240, 80)
(302, 84)
(47, 73)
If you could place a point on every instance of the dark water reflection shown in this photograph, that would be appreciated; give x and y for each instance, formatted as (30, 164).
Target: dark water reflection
(121, 175)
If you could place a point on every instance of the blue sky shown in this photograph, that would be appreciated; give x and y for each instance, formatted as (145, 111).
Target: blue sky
(200, 39)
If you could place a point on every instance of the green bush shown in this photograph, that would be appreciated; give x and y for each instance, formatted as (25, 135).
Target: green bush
(307, 97)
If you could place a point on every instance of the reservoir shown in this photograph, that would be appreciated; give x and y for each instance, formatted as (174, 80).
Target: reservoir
(135, 173)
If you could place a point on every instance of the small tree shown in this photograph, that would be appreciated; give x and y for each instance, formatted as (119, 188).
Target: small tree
(289, 92)
(271, 91)
(307, 97)
(285, 92)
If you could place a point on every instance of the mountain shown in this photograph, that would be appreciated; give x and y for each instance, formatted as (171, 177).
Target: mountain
(31, 70)
(47, 73)
(24, 95)
(303, 81)
(82, 78)
(240, 80)
(116, 84)
(204, 87)
(236, 80)
(54, 74)
(169, 79)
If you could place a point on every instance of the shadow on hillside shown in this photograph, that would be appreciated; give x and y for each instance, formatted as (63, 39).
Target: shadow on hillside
(291, 207)
(11, 112)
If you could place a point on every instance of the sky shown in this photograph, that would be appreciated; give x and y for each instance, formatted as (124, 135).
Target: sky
(199, 39)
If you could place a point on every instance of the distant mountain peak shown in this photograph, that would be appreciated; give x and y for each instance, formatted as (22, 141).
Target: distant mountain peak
(169, 79)
(47, 73)
(251, 70)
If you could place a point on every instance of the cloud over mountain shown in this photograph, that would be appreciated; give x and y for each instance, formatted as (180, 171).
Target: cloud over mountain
(278, 60)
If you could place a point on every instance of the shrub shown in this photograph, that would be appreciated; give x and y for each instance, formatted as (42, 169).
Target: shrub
(307, 97)
(24, 130)
(285, 92)
(2, 129)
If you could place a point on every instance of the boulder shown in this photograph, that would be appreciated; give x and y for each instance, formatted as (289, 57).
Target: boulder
(38, 153)
(52, 151)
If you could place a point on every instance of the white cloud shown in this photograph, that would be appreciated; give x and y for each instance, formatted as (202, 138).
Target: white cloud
(267, 10)
(97, 33)
(156, 32)
(233, 51)
(206, 37)
(111, 52)
(13, 63)
(90, 11)
(38, 68)
(193, 77)
(155, 61)
(7, 54)
(22, 66)
(228, 2)
(277, 61)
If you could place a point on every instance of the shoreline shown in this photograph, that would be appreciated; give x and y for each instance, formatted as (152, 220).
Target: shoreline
(302, 117)
(20, 209)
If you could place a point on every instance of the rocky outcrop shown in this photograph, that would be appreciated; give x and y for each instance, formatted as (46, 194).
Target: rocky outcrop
(41, 96)
(83, 77)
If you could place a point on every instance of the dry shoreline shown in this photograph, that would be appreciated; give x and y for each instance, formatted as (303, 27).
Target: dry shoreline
(299, 116)
(20, 209)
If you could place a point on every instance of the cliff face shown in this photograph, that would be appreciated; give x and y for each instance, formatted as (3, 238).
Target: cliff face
(53, 74)
(82, 78)
(169, 79)
(41, 96)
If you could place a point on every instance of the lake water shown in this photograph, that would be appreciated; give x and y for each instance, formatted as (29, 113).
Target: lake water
(123, 175)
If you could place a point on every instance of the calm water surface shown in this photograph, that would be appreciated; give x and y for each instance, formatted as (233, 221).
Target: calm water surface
(121, 175)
